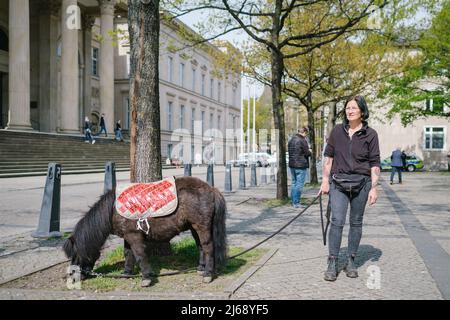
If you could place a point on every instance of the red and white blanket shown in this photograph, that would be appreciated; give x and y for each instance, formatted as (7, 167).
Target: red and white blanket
(139, 201)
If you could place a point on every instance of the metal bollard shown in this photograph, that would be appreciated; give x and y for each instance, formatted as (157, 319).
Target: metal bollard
(110, 177)
(188, 170)
(263, 175)
(272, 174)
(210, 175)
(228, 181)
(242, 177)
(253, 182)
(49, 219)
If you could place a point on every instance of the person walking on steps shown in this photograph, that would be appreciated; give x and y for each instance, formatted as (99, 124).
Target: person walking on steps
(350, 175)
(88, 131)
(298, 164)
(398, 158)
(102, 126)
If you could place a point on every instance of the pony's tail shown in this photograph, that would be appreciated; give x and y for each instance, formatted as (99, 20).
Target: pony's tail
(219, 230)
(91, 231)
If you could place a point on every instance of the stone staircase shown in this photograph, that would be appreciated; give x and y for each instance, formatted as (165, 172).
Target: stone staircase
(28, 153)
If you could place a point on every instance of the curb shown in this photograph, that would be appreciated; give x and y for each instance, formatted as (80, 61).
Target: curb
(231, 289)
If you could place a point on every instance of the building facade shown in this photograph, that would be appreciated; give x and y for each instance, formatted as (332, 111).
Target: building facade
(60, 63)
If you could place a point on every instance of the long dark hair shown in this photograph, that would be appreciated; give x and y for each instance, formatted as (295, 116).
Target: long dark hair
(361, 102)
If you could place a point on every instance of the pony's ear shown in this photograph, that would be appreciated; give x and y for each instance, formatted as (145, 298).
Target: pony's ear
(68, 247)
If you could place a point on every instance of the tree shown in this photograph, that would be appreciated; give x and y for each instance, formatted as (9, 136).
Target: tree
(145, 137)
(426, 77)
(266, 22)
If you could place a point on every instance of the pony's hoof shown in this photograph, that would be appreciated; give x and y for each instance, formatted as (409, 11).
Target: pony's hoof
(200, 272)
(207, 279)
(146, 283)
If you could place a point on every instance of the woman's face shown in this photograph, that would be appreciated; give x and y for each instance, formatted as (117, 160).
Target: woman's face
(352, 111)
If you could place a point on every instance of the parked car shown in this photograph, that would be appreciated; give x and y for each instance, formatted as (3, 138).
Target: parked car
(413, 163)
(262, 159)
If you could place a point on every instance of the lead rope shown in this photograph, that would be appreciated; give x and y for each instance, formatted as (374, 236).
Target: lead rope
(94, 274)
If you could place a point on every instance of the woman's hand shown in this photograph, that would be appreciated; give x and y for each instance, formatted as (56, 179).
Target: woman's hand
(324, 187)
(373, 196)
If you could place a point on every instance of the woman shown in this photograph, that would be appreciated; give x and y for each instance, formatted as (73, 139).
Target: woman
(350, 175)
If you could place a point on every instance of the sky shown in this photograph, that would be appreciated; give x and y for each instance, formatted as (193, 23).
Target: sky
(236, 38)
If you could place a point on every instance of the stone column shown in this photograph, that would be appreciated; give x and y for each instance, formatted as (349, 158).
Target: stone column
(48, 73)
(106, 69)
(88, 23)
(70, 24)
(19, 65)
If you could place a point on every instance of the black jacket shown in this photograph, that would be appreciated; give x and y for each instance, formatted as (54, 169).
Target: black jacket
(356, 155)
(298, 152)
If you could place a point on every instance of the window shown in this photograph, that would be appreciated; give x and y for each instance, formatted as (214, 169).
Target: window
(434, 138)
(203, 84)
(95, 58)
(211, 117)
(182, 74)
(169, 116)
(211, 93)
(169, 151)
(4, 42)
(193, 78)
(218, 122)
(203, 122)
(192, 120)
(219, 89)
(170, 69)
(192, 153)
(182, 117)
(435, 105)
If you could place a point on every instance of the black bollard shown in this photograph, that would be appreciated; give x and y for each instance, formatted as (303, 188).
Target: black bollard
(272, 173)
(228, 181)
(110, 177)
(263, 175)
(253, 182)
(188, 170)
(210, 175)
(51, 204)
(242, 177)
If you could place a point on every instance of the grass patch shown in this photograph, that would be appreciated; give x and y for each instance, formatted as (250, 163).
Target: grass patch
(273, 203)
(185, 256)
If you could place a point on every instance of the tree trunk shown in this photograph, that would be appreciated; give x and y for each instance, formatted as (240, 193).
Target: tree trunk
(278, 116)
(331, 121)
(312, 139)
(145, 150)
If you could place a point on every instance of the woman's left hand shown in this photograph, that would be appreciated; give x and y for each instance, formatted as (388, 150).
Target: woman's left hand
(373, 196)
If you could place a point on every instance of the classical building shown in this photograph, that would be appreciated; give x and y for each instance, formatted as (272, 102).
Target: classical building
(59, 63)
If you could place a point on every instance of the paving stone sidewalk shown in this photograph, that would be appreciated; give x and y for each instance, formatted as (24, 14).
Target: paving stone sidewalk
(391, 261)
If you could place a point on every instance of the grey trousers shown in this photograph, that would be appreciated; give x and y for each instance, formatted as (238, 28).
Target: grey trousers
(339, 202)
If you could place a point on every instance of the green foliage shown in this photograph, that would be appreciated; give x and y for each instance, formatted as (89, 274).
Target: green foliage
(426, 77)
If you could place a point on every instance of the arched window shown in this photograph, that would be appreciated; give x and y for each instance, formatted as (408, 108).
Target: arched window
(4, 42)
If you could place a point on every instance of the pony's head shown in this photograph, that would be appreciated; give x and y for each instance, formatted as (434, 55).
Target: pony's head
(78, 258)
(84, 245)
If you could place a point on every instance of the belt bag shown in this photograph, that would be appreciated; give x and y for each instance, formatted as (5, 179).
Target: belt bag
(350, 183)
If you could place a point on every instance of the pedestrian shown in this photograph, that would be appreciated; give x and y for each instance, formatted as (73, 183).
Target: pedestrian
(102, 125)
(88, 131)
(404, 160)
(350, 175)
(398, 159)
(298, 164)
(119, 136)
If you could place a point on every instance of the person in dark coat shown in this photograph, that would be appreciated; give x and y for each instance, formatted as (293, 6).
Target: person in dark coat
(298, 163)
(102, 125)
(398, 161)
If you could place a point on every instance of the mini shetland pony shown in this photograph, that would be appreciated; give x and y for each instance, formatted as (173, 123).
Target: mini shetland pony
(201, 209)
